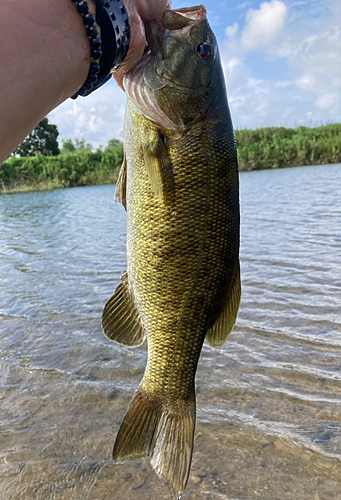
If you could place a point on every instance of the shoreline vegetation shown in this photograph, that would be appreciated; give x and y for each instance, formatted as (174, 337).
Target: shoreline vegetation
(260, 149)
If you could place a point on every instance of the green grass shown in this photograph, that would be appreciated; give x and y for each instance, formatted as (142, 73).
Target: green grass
(271, 147)
(69, 169)
(276, 147)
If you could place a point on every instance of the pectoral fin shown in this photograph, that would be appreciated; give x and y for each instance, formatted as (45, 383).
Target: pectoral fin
(121, 185)
(159, 168)
(220, 331)
(120, 319)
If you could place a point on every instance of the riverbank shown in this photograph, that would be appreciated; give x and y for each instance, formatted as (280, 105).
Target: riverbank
(71, 168)
(279, 147)
(29, 185)
(260, 149)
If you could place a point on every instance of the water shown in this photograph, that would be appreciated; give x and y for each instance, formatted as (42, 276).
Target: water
(268, 402)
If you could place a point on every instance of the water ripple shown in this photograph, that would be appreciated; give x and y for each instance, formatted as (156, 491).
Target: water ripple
(268, 401)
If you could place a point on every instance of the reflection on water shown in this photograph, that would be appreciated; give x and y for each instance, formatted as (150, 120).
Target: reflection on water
(269, 401)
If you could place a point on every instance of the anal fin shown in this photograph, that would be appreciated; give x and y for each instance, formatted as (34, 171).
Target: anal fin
(120, 319)
(220, 331)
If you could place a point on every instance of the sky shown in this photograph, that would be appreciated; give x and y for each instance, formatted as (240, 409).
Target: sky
(282, 65)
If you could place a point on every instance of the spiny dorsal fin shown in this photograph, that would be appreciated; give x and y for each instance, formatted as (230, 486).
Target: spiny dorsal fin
(120, 319)
(121, 184)
(220, 331)
(159, 168)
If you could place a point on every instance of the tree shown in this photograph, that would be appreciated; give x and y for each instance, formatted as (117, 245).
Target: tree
(42, 139)
(112, 156)
(81, 145)
(67, 146)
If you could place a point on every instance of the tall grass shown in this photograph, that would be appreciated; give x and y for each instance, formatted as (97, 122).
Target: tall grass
(78, 165)
(275, 147)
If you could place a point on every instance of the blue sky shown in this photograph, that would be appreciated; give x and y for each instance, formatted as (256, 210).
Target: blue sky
(281, 60)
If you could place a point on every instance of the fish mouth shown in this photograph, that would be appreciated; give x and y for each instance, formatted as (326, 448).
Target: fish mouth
(136, 83)
(177, 19)
(195, 14)
(180, 22)
(154, 32)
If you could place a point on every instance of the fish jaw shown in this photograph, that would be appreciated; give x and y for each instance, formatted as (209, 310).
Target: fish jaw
(171, 83)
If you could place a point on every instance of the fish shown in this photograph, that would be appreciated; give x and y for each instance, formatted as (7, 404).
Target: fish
(179, 185)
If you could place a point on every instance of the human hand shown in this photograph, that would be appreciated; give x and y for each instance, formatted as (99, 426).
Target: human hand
(138, 12)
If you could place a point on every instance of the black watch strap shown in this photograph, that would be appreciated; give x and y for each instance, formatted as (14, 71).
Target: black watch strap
(112, 18)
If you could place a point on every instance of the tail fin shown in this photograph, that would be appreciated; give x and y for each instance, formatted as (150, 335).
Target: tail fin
(162, 430)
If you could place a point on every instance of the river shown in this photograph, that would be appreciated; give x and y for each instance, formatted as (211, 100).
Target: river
(268, 401)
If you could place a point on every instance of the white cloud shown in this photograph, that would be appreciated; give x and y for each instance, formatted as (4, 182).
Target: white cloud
(96, 118)
(327, 101)
(235, 72)
(309, 47)
(336, 83)
(264, 25)
(306, 82)
(261, 103)
(316, 61)
(231, 31)
(304, 37)
(242, 6)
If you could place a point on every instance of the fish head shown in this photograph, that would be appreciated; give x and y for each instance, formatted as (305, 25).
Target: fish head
(173, 83)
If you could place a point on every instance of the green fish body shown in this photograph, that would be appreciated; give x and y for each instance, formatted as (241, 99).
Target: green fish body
(179, 184)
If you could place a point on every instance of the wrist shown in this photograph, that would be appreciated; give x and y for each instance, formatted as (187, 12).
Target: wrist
(109, 37)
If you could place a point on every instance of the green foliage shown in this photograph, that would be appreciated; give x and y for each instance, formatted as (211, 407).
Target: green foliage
(43, 139)
(77, 165)
(113, 154)
(67, 146)
(79, 145)
(275, 147)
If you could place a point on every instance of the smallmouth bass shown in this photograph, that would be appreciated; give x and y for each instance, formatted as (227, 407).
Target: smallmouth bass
(179, 184)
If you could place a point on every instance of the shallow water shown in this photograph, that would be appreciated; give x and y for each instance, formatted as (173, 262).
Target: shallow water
(268, 402)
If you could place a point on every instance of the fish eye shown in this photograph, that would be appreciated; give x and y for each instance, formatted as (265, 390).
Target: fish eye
(204, 50)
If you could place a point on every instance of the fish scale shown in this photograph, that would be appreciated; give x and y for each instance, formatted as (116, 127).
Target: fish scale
(174, 290)
(179, 184)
